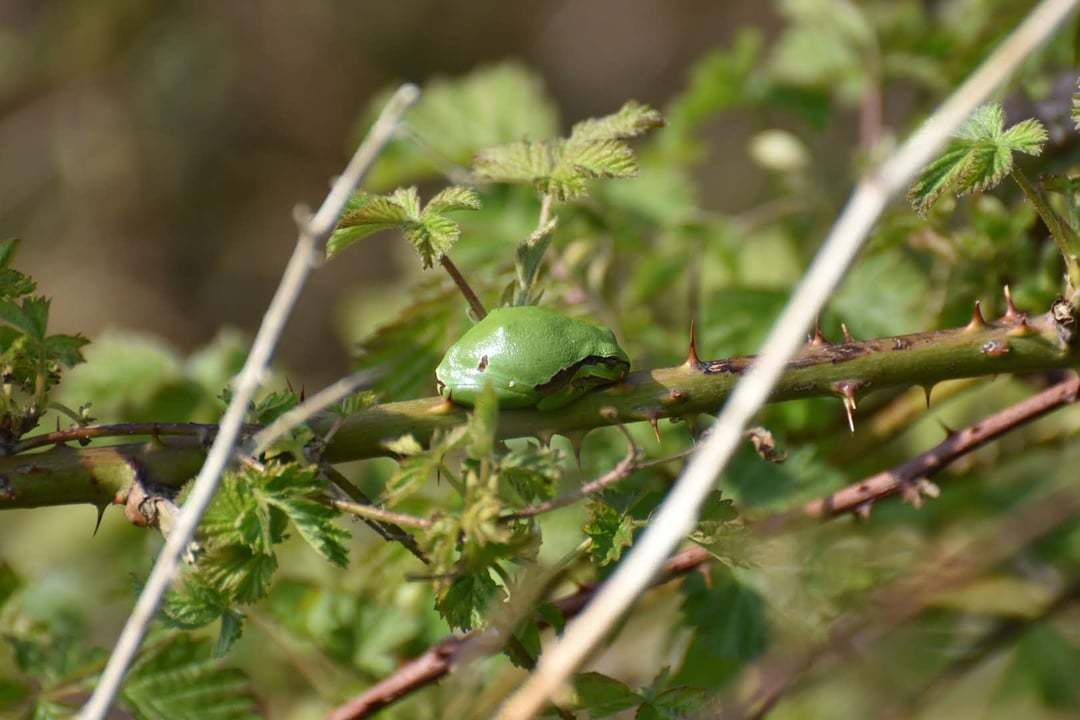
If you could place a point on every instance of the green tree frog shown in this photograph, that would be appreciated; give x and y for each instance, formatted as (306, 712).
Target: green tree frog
(531, 356)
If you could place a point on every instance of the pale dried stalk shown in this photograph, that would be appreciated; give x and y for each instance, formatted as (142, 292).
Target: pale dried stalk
(313, 234)
(679, 512)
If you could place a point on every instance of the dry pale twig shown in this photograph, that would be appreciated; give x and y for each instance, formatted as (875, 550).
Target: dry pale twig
(679, 511)
(313, 234)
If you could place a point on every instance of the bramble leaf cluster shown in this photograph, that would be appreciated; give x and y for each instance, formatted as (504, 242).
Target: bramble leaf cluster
(31, 359)
(252, 513)
(596, 148)
(429, 230)
(978, 158)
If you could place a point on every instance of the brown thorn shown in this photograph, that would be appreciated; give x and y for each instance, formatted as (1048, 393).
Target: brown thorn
(862, 510)
(949, 432)
(928, 389)
(977, 322)
(544, 436)
(818, 339)
(847, 394)
(1011, 313)
(654, 423)
(576, 439)
(1021, 328)
(692, 360)
(847, 333)
(100, 515)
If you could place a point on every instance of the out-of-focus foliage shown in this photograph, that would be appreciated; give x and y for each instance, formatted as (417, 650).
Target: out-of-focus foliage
(173, 678)
(644, 254)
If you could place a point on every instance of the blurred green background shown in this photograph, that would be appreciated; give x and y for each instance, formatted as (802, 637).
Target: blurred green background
(151, 153)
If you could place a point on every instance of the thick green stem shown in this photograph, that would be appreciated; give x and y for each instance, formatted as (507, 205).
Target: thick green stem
(98, 476)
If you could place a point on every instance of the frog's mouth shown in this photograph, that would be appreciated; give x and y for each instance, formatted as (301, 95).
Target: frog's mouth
(567, 374)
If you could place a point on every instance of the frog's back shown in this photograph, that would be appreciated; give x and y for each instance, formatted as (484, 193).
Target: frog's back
(516, 349)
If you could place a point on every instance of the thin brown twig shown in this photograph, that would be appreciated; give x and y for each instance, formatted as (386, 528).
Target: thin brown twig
(90, 432)
(858, 497)
(373, 512)
(388, 530)
(463, 286)
(440, 659)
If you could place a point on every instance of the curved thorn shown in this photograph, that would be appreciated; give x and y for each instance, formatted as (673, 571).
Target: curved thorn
(692, 360)
(977, 322)
(1011, 313)
(654, 423)
(847, 333)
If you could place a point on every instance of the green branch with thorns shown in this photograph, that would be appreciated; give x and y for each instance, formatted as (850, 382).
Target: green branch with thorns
(1013, 343)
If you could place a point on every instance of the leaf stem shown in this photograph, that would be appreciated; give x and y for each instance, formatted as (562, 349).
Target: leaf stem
(378, 514)
(1065, 236)
(463, 286)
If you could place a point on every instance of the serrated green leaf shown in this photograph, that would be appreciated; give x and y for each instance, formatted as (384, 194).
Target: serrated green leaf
(532, 472)
(520, 162)
(562, 167)
(598, 159)
(1027, 136)
(718, 508)
(14, 314)
(453, 198)
(14, 284)
(180, 681)
(433, 237)
(978, 158)
(602, 696)
(464, 602)
(8, 248)
(629, 121)
(729, 627)
(66, 349)
(194, 605)
(369, 214)
(232, 627)
(315, 523)
(611, 532)
(270, 407)
(412, 474)
(240, 572)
